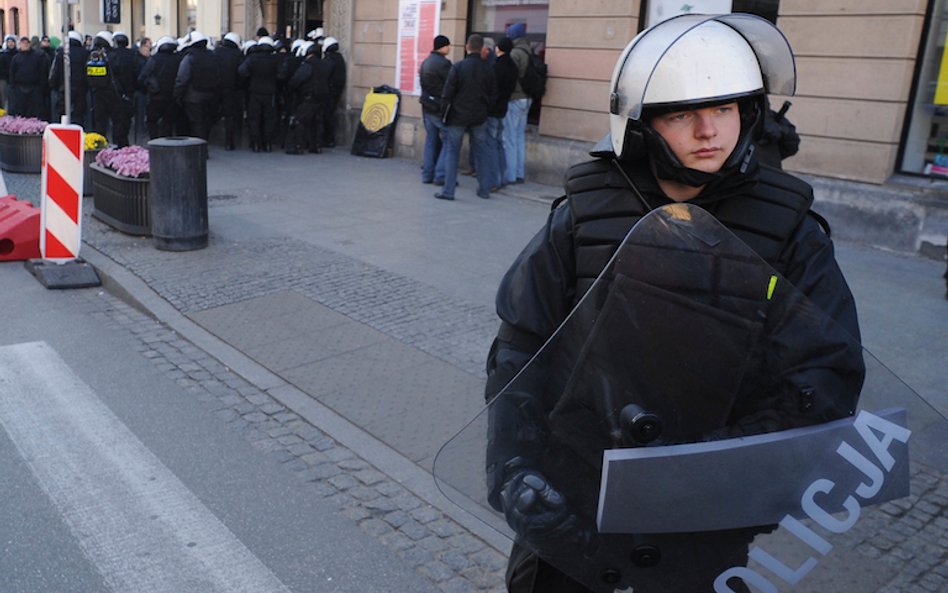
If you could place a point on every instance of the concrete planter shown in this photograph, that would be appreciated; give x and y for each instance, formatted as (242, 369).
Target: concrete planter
(121, 202)
(21, 153)
(88, 157)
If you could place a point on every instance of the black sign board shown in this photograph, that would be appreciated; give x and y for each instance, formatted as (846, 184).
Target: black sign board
(111, 11)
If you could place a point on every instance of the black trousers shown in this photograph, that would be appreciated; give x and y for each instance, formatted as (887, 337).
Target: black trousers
(160, 113)
(261, 118)
(201, 117)
(108, 106)
(232, 110)
(329, 120)
(307, 130)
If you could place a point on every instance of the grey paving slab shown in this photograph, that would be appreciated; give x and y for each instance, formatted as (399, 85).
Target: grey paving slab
(415, 411)
(294, 350)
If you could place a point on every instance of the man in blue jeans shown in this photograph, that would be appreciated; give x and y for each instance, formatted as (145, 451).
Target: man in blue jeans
(468, 92)
(515, 122)
(433, 75)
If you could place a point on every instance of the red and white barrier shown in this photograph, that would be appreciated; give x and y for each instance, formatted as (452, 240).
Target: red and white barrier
(61, 218)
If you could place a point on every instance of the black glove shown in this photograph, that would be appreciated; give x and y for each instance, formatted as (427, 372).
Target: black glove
(539, 514)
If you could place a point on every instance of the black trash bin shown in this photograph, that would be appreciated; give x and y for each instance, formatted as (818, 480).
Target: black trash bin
(178, 195)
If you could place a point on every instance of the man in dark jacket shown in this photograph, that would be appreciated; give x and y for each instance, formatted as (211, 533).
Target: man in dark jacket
(684, 136)
(260, 69)
(311, 84)
(229, 57)
(505, 73)
(6, 54)
(337, 85)
(29, 70)
(468, 93)
(125, 68)
(197, 85)
(433, 74)
(158, 78)
(77, 79)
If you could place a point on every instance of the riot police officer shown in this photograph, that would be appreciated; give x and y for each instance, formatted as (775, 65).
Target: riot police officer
(686, 106)
(311, 82)
(111, 77)
(229, 57)
(197, 85)
(337, 84)
(77, 79)
(261, 68)
(158, 77)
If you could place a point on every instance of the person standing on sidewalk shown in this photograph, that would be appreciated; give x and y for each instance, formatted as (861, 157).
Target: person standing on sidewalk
(467, 95)
(686, 135)
(337, 84)
(77, 79)
(505, 73)
(515, 122)
(198, 86)
(433, 74)
(261, 68)
(29, 71)
(229, 57)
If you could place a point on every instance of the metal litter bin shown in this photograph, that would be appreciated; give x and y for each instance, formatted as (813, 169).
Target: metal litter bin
(178, 200)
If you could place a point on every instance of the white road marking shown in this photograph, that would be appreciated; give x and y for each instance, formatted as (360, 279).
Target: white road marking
(141, 527)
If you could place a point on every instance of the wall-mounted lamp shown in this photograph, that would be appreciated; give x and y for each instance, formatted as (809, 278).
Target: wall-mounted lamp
(158, 19)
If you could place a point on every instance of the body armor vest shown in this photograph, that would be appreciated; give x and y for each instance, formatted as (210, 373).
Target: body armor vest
(97, 69)
(604, 208)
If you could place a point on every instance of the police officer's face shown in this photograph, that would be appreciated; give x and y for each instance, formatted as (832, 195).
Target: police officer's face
(702, 139)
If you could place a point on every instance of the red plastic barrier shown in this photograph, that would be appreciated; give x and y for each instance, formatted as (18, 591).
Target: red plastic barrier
(19, 230)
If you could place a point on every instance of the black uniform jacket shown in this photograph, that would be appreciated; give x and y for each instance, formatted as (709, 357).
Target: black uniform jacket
(469, 91)
(559, 264)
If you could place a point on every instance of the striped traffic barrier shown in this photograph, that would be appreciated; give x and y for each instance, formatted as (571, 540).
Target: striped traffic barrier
(61, 218)
(61, 212)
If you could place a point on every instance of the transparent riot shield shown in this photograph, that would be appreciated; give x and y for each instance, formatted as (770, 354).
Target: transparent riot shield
(696, 425)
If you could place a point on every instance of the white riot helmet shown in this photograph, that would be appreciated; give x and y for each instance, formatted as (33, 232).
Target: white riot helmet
(164, 42)
(330, 44)
(295, 46)
(105, 36)
(75, 35)
(694, 60)
(265, 40)
(233, 38)
(247, 45)
(304, 48)
(195, 37)
(315, 34)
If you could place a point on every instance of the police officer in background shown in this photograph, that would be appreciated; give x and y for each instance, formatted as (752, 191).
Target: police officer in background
(311, 83)
(337, 84)
(158, 78)
(197, 85)
(229, 57)
(685, 133)
(260, 69)
(77, 79)
(108, 100)
(6, 54)
(29, 72)
(126, 66)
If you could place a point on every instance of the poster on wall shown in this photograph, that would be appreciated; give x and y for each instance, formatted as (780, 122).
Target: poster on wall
(662, 10)
(110, 11)
(418, 24)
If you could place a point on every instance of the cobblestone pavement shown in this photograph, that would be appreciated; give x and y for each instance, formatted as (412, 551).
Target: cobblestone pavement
(424, 537)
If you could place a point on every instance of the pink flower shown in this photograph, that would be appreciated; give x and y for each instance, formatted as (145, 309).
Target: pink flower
(131, 161)
(24, 126)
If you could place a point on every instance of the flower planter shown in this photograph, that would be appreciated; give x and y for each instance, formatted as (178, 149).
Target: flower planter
(21, 153)
(88, 157)
(120, 202)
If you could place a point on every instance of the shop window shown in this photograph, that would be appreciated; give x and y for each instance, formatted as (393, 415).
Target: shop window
(925, 145)
(16, 21)
(491, 18)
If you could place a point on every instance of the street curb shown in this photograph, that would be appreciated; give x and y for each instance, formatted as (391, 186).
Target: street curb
(132, 290)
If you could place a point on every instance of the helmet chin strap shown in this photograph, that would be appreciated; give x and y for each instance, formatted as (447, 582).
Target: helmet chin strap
(666, 165)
